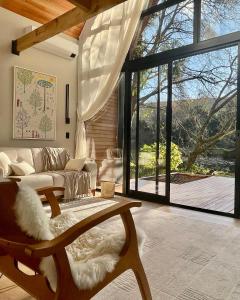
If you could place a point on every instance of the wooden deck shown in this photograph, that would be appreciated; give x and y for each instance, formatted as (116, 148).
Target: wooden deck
(214, 193)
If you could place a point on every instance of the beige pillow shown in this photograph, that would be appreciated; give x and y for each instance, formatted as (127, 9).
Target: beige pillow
(5, 163)
(22, 168)
(75, 164)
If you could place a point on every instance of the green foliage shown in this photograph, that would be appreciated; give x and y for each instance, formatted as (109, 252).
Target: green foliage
(45, 124)
(148, 148)
(25, 76)
(197, 169)
(176, 155)
(44, 84)
(147, 160)
(143, 171)
(35, 100)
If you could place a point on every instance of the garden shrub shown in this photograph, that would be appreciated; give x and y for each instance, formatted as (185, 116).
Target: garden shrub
(148, 165)
(176, 155)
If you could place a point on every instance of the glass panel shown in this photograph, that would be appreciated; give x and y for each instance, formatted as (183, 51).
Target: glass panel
(203, 130)
(219, 17)
(133, 157)
(163, 96)
(149, 129)
(167, 29)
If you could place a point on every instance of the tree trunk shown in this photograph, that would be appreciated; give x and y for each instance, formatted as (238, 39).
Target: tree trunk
(44, 97)
(198, 149)
(191, 160)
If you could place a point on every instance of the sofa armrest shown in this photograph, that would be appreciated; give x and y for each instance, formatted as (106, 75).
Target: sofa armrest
(1, 173)
(90, 166)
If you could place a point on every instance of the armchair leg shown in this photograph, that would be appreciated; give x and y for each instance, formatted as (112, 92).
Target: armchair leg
(142, 281)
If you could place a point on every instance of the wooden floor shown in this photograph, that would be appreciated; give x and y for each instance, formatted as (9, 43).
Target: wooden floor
(214, 193)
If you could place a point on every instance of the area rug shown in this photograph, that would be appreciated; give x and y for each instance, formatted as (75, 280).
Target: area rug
(187, 256)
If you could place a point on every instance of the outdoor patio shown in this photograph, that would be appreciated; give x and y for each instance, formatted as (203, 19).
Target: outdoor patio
(214, 193)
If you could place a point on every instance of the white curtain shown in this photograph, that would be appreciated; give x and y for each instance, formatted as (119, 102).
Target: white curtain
(104, 44)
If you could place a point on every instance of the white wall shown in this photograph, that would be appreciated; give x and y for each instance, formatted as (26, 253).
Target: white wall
(11, 27)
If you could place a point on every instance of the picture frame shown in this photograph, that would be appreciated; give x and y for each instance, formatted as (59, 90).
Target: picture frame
(34, 105)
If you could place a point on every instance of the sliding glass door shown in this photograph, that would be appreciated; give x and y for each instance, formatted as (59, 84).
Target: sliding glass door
(183, 132)
(182, 106)
(148, 159)
(204, 118)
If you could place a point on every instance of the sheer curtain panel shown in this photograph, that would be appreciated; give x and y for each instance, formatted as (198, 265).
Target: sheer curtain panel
(104, 44)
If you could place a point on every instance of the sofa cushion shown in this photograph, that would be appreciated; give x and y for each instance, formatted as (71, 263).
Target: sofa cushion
(5, 164)
(18, 154)
(37, 154)
(75, 164)
(36, 180)
(37, 159)
(58, 179)
(22, 168)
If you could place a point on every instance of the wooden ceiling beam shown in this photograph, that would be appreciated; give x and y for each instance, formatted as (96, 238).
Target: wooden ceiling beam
(83, 4)
(95, 5)
(71, 18)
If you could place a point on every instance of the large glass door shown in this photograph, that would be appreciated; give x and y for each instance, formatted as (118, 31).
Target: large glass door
(183, 88)
(204, 118)
(184, 142)
(149, 162)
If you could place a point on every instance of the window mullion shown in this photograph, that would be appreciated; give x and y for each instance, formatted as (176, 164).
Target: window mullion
(197, 21)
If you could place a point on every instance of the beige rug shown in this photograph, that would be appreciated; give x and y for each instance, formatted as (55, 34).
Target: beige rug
(187, 256)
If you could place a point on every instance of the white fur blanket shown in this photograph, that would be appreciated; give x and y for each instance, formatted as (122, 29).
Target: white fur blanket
(91, 256)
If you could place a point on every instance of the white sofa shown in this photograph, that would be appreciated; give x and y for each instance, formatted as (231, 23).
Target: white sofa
(41, 178)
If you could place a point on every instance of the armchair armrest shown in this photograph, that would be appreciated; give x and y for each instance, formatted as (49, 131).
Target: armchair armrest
(48, 248)
(48, 192)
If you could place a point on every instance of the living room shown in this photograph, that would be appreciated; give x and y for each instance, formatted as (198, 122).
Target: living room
(120, 134)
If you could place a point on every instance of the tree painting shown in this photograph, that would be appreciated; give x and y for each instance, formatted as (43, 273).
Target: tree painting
(22, 120)
(25, 77)
(34, 105)
(45, 125)
(35, 100)
(45, 85)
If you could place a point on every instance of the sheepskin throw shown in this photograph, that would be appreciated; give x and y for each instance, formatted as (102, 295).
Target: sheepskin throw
(91, 256)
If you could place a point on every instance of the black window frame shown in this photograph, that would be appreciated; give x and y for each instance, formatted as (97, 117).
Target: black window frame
(168, 57)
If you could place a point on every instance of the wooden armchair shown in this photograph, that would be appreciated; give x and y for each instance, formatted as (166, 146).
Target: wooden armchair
(16, 246)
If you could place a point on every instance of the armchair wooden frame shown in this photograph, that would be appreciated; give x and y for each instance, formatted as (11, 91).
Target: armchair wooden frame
(38, 286)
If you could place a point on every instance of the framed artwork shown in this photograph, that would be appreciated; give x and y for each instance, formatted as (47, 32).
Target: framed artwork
(34, 105)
